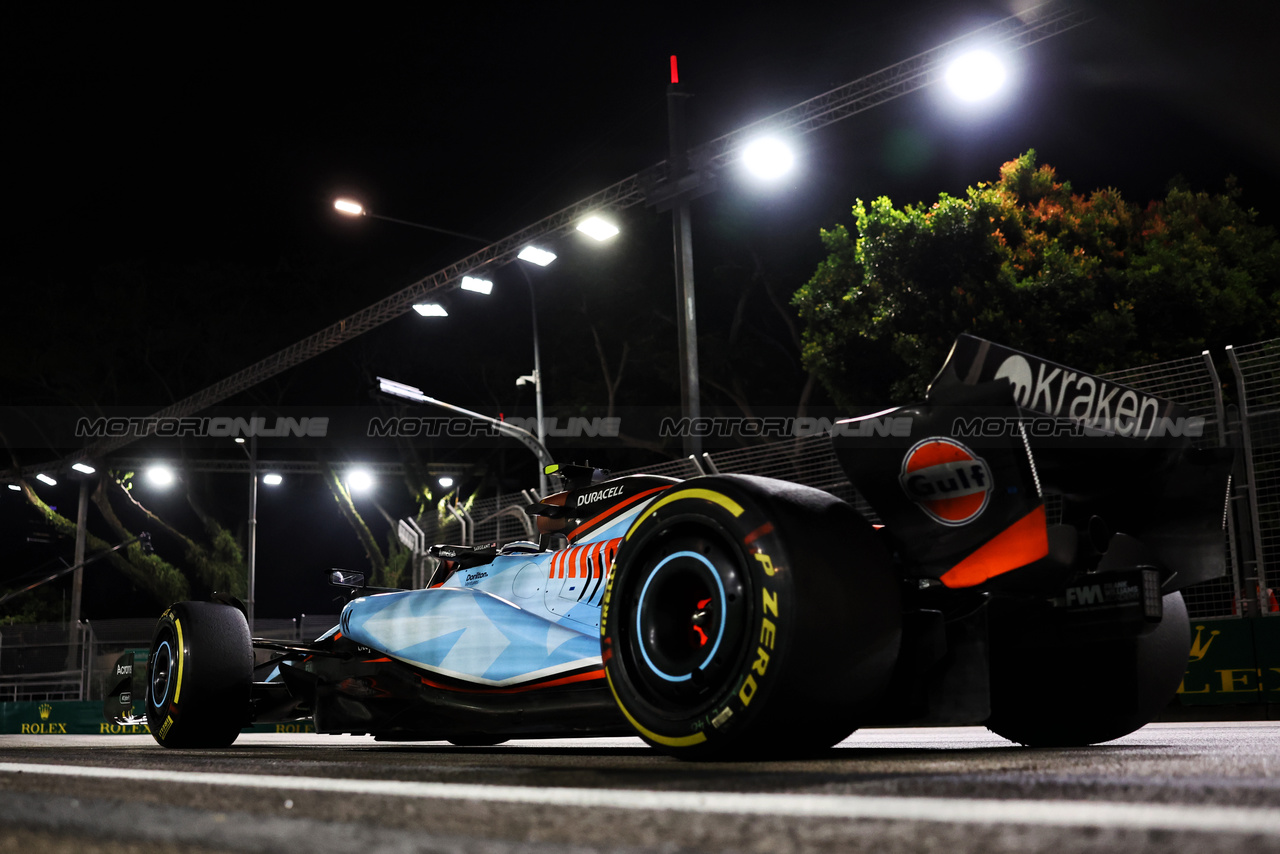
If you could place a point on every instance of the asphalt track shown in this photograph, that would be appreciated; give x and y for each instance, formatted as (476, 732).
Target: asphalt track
(1199, 788)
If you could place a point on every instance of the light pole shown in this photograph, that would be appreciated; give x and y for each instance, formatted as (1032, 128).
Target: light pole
(252, 545)
(593, 226)
(687, 185)
(530, 441)
(253, 521)
(682, 241)
(543, 484)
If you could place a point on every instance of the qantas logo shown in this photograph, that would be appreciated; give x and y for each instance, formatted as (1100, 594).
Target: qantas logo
(1090, 400)
(948, 481)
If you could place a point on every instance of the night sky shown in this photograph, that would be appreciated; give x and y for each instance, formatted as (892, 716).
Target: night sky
(172, 172)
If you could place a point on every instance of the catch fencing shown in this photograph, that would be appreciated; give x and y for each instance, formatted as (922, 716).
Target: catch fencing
(45, 661)
(52, 662)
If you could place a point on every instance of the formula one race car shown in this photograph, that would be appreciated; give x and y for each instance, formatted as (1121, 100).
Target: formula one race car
(730, 616)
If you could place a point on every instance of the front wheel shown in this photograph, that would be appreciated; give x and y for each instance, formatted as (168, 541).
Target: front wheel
(199, 675)
(748, 617)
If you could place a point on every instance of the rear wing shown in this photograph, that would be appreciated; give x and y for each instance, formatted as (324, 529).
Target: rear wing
(960, 481)
(1100, 407)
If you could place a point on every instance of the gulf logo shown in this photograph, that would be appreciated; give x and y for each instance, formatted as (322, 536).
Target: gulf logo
(947, 480)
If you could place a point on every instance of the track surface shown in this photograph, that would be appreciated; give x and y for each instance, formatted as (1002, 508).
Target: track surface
(1168, 788)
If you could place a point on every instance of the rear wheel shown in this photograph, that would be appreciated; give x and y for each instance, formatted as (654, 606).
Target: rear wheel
(747, 617)
(1069, 691)
(199, 675)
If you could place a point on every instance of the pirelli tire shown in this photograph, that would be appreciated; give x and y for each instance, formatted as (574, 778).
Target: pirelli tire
(199, 675)
(1072, 690)
(748, 617)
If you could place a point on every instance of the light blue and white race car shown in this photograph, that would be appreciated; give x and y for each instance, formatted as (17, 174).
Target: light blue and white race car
(732, 616)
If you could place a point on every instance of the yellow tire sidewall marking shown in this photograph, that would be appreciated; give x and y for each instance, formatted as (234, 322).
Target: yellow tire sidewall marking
(177, 691)
(734, 508)
(682, 741)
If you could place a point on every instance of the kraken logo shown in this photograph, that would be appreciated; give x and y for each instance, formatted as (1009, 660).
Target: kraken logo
(1200, 649)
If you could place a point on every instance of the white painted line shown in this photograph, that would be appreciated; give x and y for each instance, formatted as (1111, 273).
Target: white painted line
(1099, 814)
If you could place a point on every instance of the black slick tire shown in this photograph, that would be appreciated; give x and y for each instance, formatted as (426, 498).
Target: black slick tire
(1071, 691)
(748, 617)
(199, 675)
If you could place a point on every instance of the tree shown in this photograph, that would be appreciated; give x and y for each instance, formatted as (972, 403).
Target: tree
(1096, 282)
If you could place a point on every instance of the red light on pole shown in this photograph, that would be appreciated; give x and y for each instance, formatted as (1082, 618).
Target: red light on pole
(675, 75)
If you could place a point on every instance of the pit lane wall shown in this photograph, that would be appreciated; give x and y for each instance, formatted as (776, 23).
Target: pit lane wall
(1233, 662)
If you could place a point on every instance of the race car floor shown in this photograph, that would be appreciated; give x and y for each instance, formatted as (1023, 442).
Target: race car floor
(1169, 787)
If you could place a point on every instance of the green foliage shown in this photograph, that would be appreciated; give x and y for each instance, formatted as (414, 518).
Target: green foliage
(220, 565)
(150, 573)
(44, 604)
(1093, 281)
(377, 560)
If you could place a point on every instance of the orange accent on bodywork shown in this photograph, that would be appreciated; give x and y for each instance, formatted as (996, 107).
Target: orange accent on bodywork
(590, 560)
(596, 560)
(614, 509)
(1023, 542)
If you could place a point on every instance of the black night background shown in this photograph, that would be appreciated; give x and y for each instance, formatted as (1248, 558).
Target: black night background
(172, 172)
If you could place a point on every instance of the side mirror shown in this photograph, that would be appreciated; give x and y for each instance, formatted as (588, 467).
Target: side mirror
(347, 578)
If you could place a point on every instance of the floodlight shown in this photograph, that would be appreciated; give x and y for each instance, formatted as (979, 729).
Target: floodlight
(446, 482)
(480, 286)
(975, 75)
(272, 479)
(768, 158)
(83, 468)
(431, 309)
(408, 392)
(348, 207)
(359, 480)
(534, 255)
(598, 228)
(160, 475)
(44, 478)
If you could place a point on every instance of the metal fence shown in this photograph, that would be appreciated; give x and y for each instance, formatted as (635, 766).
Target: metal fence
(42, 661)
(1257, 372)
(1194, 383)
(46, 661)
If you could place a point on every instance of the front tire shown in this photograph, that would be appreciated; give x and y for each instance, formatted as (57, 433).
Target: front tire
(748, 617)
(199, 675)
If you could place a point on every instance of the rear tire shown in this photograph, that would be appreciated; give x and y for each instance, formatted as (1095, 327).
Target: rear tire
(199, 675)
(1070, 692)
(748, 617)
